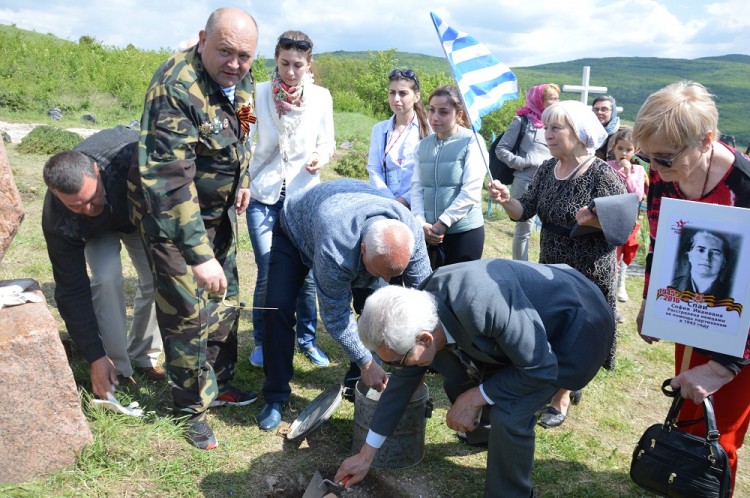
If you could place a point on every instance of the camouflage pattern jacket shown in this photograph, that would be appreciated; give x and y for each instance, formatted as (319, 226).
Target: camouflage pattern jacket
(192, 156)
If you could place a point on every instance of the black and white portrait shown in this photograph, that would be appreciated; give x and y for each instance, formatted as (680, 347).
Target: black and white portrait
(706, 261)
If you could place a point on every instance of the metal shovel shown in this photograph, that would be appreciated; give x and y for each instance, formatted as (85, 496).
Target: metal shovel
(320, 488)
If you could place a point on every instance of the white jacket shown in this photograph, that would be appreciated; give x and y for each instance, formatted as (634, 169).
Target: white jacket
(308, 130)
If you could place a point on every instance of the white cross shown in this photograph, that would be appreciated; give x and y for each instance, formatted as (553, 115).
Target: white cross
(584, 89)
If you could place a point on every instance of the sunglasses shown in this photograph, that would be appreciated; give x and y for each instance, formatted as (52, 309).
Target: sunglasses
(404, 73)
(667, 163)
(288, 43)
(400, 363)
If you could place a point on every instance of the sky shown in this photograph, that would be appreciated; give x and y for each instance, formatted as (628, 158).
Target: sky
(519, 33)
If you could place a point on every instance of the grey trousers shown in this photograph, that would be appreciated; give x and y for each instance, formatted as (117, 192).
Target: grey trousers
(510, 457)
(512, 437)
(143, 344)
(520, 246)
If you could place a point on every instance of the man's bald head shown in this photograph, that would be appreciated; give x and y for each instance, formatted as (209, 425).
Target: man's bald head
(227, 45)
(387, 246)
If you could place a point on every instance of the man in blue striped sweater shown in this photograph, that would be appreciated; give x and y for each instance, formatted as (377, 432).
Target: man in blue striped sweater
(350, 236)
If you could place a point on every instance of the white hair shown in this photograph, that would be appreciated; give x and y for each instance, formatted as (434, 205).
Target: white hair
(394, 316)
(386, 236)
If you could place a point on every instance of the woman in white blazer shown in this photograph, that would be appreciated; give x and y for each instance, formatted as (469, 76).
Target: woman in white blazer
(294, 141)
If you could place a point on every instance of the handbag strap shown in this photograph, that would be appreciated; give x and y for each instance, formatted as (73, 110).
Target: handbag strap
(712, 432)
(521, 133)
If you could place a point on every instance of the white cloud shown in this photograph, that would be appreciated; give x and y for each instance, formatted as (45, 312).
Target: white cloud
(520, 34)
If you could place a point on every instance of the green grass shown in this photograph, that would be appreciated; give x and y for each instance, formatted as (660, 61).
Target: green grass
(587, 457)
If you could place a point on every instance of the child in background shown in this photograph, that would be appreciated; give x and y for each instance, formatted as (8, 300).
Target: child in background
(623, 149)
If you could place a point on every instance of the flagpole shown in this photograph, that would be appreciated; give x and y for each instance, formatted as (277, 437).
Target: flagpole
(466, 108)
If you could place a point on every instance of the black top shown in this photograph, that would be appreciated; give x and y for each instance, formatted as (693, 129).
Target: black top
(66, 234)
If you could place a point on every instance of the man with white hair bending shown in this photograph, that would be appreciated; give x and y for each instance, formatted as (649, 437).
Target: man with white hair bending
(505, 335)
(350, 235)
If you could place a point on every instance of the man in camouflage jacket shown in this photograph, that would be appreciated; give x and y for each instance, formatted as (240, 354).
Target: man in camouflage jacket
(187, 188)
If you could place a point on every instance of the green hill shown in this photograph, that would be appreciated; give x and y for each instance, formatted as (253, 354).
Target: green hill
(631, 80)
(39, 71)
(426, 63)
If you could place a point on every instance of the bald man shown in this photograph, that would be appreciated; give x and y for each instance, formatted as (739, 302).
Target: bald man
(186, 190)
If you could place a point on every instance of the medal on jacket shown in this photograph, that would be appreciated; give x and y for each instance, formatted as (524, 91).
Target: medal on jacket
(214, 126)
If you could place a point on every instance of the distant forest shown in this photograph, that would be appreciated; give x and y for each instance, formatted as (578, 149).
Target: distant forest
(630, 80)
(41, 71)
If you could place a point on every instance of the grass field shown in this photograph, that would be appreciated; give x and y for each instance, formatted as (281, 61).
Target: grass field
(588, 456)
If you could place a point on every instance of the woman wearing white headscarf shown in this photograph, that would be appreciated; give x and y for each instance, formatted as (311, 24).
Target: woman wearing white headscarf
(560, 194)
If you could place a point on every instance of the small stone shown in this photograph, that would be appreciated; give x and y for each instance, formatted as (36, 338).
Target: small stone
(88, 118)
(134, 124)
(346, 145)
(6, 137)
(55, 113)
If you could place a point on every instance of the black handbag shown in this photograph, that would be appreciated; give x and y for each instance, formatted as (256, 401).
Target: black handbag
(673, 463)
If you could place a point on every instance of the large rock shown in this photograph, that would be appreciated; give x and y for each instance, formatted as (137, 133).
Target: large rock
(11, 210)
(42, 427)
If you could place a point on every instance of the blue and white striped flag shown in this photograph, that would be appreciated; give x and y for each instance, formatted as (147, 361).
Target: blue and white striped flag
(485, 83)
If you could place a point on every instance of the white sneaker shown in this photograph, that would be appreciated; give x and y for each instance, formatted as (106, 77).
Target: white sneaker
(622, 294)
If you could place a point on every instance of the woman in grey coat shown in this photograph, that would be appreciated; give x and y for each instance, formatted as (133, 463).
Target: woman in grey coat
(532, 151)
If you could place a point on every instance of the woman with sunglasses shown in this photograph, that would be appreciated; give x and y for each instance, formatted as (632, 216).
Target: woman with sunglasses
(447, 184)
(560, 194)
(393, 142)
(677, 132)
(294, 141)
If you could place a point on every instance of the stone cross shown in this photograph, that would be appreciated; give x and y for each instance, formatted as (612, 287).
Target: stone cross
(584, 89)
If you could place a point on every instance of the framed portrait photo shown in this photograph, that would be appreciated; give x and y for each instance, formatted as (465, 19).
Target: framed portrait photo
(698, 293)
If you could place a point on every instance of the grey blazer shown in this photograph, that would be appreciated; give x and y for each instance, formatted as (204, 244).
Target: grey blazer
(526, 325)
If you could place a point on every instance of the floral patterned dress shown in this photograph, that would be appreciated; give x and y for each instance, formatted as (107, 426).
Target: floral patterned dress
(556, 203)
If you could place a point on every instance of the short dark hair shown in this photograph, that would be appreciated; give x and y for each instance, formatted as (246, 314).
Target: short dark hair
(604, 98)
(64, 171)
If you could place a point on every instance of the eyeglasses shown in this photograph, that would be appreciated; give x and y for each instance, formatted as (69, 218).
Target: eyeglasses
(404, 73)
(667, 163)
(400, 363)
(288, 43)
(602, 109)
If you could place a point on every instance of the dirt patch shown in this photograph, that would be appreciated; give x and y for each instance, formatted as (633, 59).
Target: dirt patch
(16, 131)
(376, 484)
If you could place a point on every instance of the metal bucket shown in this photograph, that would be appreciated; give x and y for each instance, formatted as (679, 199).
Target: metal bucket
(405, 447)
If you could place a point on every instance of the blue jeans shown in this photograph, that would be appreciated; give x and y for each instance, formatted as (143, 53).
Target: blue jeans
(286, 276)
(260, 220)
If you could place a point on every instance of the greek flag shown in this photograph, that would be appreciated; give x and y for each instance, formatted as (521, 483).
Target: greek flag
(485, 83)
